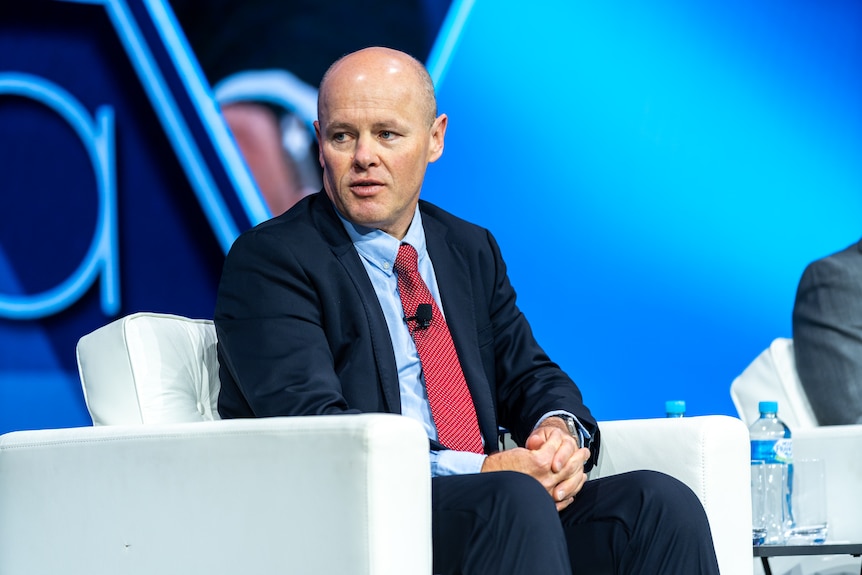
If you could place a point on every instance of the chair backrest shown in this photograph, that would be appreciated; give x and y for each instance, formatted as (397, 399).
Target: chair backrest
(772, 377)
(150, 368)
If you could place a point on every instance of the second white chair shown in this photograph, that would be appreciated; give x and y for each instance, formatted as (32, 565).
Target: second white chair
(772, 376)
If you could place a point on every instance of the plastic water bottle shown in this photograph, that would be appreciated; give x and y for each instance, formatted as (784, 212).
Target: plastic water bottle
(771, 446)
(674, 408)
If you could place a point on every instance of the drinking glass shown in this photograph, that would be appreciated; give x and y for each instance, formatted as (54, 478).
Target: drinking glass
(808, 524)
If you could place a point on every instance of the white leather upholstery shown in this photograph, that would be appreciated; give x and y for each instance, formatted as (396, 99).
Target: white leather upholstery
(710, 454)
(772, 377)
(150, 368)
(311, 495)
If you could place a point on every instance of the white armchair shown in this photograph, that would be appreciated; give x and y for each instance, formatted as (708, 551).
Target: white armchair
(301, 494)
(312, 495)
(161, 486)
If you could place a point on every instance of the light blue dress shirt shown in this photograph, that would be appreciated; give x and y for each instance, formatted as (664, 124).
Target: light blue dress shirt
(378, 250)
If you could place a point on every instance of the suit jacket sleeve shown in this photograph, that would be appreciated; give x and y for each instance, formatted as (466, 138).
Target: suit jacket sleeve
(274, 356)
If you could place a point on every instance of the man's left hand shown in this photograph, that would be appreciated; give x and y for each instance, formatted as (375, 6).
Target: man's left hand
(569, 459)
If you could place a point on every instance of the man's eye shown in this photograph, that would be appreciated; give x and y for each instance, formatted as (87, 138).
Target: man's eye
(387, 135)
(340, 137)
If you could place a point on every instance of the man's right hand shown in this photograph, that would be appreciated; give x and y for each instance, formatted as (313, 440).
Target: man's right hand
(538, 463)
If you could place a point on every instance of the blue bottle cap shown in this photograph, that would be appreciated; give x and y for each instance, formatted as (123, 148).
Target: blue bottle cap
(768, 406)
(674, 407)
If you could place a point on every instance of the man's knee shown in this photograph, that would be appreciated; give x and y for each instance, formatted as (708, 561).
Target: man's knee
(670, 500)
(518, 496)
(661, 484)
(496, 503)
(501, 522)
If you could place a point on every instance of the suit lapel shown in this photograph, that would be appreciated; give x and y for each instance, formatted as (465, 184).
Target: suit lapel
(384, 356)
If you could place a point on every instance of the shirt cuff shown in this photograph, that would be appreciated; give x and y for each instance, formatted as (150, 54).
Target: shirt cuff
(583, 435)
(451, 462)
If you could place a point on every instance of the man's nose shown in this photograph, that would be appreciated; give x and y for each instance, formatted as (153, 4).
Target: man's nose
(365, 155)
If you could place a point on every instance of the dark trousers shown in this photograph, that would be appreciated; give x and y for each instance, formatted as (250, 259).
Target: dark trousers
(505, 523)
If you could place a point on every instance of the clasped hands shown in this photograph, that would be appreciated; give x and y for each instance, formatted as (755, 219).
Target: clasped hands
(551, 456)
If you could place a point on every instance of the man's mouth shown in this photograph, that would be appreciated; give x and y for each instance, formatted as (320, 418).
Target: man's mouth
(365, 187)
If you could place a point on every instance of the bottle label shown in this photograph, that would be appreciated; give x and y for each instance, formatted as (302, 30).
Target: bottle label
(784, 451)
(772, 451)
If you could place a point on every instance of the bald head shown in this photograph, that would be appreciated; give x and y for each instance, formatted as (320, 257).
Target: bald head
(391, 67)
(378, 130)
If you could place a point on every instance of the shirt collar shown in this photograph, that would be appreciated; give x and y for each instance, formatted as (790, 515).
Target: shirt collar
(379, 248)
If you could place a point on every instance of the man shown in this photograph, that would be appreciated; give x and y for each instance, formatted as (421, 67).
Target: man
(827, 336)
(315, 316)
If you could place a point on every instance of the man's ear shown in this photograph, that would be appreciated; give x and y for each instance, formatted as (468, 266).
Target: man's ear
(438, 134)
(319, 142)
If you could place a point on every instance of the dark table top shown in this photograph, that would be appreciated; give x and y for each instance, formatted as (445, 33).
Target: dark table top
(822, 549)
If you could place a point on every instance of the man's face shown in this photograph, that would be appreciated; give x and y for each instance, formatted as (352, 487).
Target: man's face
(376, 139)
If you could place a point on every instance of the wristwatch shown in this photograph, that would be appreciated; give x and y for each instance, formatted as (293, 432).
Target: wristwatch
(572, 426)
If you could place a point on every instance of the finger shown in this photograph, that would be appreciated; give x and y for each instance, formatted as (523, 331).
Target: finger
(563, 504)
(534, 441)
(582, 457)
(548, 448)
(570, 486)
(577, 466)
(539, 437)
(567, 451)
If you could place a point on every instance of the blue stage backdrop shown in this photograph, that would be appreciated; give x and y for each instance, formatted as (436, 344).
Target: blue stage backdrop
(658, 174)
(121, 189)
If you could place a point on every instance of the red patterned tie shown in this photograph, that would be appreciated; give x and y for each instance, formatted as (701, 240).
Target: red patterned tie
(451, 404)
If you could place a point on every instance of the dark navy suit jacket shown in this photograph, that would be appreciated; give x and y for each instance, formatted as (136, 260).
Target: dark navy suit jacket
(301, 332)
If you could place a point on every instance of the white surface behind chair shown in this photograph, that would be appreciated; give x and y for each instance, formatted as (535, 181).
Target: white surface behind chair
(772, 377)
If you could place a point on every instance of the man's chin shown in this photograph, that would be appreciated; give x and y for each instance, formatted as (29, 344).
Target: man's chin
(362, 216)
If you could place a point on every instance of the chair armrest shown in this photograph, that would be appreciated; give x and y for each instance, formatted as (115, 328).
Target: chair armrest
(324, 494)
(710, 454)
(840, 447)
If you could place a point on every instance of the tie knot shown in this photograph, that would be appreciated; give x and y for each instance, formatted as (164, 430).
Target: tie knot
(406, 260)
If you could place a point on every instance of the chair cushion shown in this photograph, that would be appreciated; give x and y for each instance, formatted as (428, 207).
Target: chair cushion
(150, 368)
(772, 377)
